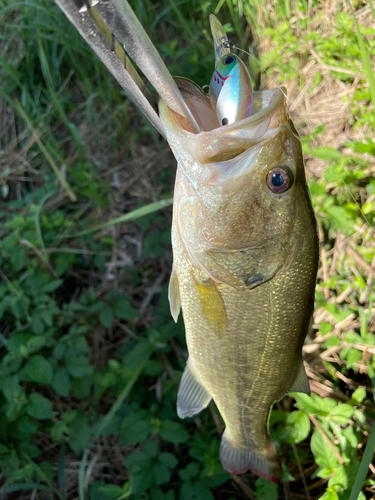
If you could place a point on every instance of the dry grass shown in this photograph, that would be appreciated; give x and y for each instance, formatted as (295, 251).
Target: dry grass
(329, 102)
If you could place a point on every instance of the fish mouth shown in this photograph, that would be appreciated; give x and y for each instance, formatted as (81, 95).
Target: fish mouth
(221, 143)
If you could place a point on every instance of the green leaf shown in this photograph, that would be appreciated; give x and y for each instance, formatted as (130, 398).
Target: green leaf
(123, 308)
(136, 355)
(329, 495)
(133, 215)
(158, 494)
(142, 480)
(52, 286)
(37, 324)
(61, 382)
(332, 341)
(39, 407)
(326, 153)
(58, 430)
(136, 432)
(323, 452)
(111, 491)
(265, 489)
(168, 459)
(344, 477)
(26, 426)
(135, 427)
(81, 386)
(325, 328)
(340, 218)
(359, 395)
(325, 473)
(187, 491)
(353, 357)
(59, 350)
(150, 447)
(342, 413)
(79, 433)
(189, 472)
(38, 369)
(314, 404)
(351, 437)
(10, 387)
(215, 478)
(138, 459)
(35, 344)
(202, 492)
(78, 366)
(173, 432)
(298, 428)
(162, 474)
(106, 316)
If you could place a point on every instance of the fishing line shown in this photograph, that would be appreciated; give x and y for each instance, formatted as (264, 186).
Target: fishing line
(230, 45)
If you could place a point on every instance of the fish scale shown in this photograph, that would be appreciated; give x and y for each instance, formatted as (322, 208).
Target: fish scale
(239, 370)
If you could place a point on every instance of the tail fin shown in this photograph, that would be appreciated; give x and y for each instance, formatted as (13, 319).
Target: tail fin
(238, 461)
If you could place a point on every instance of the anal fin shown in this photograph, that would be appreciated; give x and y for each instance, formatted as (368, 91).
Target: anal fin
(301, 383)
(174, 295)
(192, 397)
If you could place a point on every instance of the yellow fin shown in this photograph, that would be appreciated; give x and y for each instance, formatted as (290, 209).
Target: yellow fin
(213, 306)
(174, 295)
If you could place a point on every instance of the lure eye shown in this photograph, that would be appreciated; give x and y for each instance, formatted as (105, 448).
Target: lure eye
(229, 60)
(279, 179)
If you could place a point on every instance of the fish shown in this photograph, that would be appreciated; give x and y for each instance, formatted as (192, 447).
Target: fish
(245, 259)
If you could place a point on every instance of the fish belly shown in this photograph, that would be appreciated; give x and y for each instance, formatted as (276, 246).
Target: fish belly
(250, 358)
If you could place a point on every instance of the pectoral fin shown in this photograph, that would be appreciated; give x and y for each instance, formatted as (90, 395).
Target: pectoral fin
(192, 397)
(301, 383)
(213, 307)
(174, 295)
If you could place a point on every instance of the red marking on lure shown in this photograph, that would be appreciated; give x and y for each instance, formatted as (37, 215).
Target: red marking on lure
(222, 77)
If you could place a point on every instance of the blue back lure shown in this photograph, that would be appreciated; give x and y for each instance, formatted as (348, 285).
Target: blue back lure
(230, 91)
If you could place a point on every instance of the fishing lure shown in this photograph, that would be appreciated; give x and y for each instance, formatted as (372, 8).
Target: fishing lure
(230, 90)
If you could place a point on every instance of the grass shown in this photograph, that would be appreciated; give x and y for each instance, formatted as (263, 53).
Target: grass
(90, 357)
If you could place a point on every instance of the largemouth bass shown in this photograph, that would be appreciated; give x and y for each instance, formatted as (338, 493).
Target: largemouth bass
(245, 252)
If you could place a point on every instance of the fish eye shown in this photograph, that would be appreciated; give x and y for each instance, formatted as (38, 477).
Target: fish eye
(229, 60)
(225, 121)
(279, 179)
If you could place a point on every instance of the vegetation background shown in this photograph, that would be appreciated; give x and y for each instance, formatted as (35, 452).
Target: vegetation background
(90, 357)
